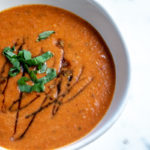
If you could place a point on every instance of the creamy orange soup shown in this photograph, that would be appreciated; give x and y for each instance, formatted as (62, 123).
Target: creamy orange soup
(73, 102)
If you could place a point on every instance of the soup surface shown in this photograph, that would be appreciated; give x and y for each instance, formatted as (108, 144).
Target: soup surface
(74, 101)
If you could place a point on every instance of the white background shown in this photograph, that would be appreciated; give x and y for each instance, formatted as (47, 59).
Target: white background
(132, 130)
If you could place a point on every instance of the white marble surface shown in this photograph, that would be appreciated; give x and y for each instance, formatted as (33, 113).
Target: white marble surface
(132, 130)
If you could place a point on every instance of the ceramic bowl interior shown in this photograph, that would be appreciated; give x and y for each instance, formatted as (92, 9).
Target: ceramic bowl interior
(92, 12)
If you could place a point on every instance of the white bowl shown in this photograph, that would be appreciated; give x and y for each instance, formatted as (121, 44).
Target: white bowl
(97, 16)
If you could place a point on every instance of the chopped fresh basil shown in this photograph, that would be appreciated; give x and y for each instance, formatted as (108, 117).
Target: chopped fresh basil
(23, 86)
(33, 76)
(13, 72)
(45, 35)
(37, 87)
(26, 68)
(8, 52)
(15, 69)
(25, 61)
(39, 59)
(7, 49)
(42, 68)
(23, 80)
(51, 74)
(24, 54)
(12, 57)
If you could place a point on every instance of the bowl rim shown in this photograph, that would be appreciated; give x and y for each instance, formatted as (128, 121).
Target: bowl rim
(122, 105)
(123, 100)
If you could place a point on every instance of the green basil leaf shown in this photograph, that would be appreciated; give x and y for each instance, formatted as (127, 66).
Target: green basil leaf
(13, 72)
(6, 49)
(39, 59)
(23, 86)
(51, 74)
(8, 52)
(16, 67)
(24, 54)
(24, 60)
(26, 68)
(27, 55)
(45, 35)
(23, 80)
(37, 87)
(15, 63)
(33, 76)
(42, 68)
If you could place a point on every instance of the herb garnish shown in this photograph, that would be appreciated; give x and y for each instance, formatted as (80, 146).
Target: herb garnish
(24, 60)
(8, 52)
(44, 35)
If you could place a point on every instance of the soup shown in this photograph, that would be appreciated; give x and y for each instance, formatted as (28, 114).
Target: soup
(57, 78)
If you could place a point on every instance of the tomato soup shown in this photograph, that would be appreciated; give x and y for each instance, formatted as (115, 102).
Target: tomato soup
(58, 110)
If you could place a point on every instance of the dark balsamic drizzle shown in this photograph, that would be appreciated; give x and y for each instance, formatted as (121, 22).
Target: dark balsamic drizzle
(33, 100)
(18, 110)
(65, 63)
(80, 90)
(23, 107)
(21, 45)
(73, 84)
(17, 114)
(3, 80)
(59, 87)
(40, 109)
(3, 69)
(27, 128)
(65, 75)
(6, 85)
(20, 96)
(60, 43)
(56, 102)
(58, 98)
(12, 105)
(56, 108)
(30, 123)
(70, 78)
(3, 108)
